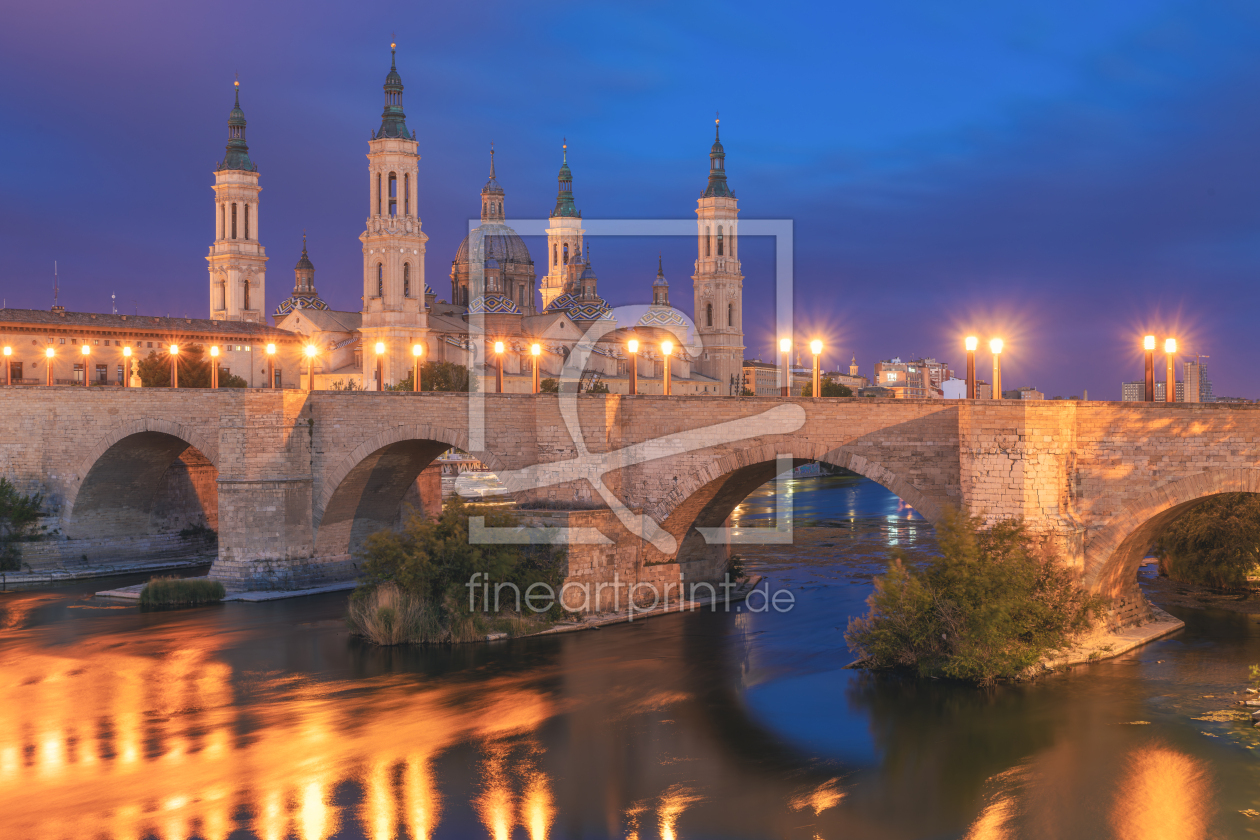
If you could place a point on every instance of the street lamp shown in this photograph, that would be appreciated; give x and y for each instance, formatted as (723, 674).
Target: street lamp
(667, 347)
(785, 387)
(498, 367)
(214, 364)
(380, 351)
(310, 367)
(535, 350)
(971, 342)
(815, 347)
(1148, 345)
(417, 350)
(271, 365)
(633, 346)
(1170, 350)
(126, 367)
(86, 352)
(996, 347)
(8, 351)
(174, 366)
(49, 354)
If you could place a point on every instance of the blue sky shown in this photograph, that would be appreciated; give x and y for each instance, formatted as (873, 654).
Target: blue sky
(1067, 175)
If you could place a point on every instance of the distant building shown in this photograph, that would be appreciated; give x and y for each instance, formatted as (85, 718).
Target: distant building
(1198, 386)
(1136, 391)
(877, 391)
(762, 378)
(1025, 393)
(984, 390)
(1233, 400)
(954, 389)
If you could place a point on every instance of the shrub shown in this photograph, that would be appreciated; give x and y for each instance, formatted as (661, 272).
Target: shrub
(181, 592)
(990, 607)
(19, 515)
(830, 388)
(438, 376)
(1216, 543)
(432, 562)
(549, 386)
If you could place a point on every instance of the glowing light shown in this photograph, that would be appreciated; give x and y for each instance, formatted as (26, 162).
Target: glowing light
(1170, 346)
(972, 341)
(271, 349)
(311, 351)
(996, 345)
(86, 350)
(535, 349)
(214, 351)
(815, 347)
(633, 345)
(667, 347)
(49, 352)
(498, 347)
(785, 344)
(8, 351)
(174, 349)
(127, 352)
(380, 347)
(1149, 342)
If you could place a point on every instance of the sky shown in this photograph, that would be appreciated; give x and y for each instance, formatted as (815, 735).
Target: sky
(1068, 176)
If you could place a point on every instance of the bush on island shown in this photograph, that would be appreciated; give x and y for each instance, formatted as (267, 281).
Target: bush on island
(416, 583)
(181, 592)
(19, 522)
(990, 607)
(1216, 543)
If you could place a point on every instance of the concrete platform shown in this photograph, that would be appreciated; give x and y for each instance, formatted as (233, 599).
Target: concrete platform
(132, 593)
(8, 579)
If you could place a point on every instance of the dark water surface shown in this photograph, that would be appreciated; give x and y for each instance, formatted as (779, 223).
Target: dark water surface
(269, 721)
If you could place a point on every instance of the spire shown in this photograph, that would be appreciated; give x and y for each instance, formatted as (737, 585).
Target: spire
(304, 295)
(393, 120)
(564, 196)
(660, 286)
(717, 166)
(237, 155)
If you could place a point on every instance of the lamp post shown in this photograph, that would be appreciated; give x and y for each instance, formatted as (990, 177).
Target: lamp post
(535, 350)
(667, 347)
(785, 386)
(127, 367)
(498, 367)
(1148, 345)
(8, 351)
(996, 347)
(86, 353)
(214, 365)
(633, 346)
(417, 350)
(815, 347)
(49, 354)
(380, 351)
(310, 367)
(271, 365)
(174, 366)
(1170, 351)
(971, 342)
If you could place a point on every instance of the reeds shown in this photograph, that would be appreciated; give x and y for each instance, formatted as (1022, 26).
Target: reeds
(181, 592)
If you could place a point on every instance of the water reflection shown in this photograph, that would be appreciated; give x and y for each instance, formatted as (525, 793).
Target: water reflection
(268, 721)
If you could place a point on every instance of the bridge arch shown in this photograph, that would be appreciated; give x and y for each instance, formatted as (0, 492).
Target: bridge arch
(708, 496)
(142, 477)
(365, 491)
(1113, 554)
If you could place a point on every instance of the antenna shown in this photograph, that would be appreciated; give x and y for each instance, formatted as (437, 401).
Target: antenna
(55, 289)
(113, 303)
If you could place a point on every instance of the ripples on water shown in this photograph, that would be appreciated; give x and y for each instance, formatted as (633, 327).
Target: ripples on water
(269, 721)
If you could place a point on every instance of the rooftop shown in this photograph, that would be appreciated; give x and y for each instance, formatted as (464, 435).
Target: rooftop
(53, 320)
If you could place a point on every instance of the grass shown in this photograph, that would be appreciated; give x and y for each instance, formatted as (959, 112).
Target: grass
(388, 615)
(181, 592)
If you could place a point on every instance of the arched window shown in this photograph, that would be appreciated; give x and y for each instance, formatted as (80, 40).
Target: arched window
(234, 220)
(380, 280)
(223, 296)
(247, 293)
(223, 221)
(730, 314)
(555, 254)
(407, 194)
(708, 314)
(378, 193)
(566, 253)
(247, 221)
(708, 243)
(393, 194)
(406, 279)
(719, 240)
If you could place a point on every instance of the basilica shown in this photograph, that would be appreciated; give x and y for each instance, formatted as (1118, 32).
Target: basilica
(496, 297)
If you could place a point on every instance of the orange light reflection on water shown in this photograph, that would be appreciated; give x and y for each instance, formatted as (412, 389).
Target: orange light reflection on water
(1164, 795)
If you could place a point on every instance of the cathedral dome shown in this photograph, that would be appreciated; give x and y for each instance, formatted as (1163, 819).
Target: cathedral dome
(500, 243)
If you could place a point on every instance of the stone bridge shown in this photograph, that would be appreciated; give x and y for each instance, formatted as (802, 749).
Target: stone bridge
(293, 482)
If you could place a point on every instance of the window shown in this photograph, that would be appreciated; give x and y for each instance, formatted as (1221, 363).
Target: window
(120, 374)
(566, 253)
(61, 341)
(78, 372)
(15, 371)
(708, 314)
(150, 343)
(730, 314)
(380, 280)
(719, 240)
(555, 254)
(74, 341)
(393, 194)
(708, 243)
(102, 374)
(223, 296)
(223, 221)
(278, 385)
(96, 342)
(406, 279)
(247, 221)
(233, 220)
(247, 293)
(378, 193)
(407, 194)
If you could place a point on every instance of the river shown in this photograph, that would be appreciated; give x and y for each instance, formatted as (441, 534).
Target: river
(269, 721)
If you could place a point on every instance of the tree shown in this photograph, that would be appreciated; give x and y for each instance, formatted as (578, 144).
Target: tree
(1216, 543)
(194, 369)
(438, 376)
(19, 515)
(549, 386)
(989, 607)
(830, 388)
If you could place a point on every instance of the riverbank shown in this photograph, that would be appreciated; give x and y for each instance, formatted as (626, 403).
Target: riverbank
(22, 580)
(1170, 593)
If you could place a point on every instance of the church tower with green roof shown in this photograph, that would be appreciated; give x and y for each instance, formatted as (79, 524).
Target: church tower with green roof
(718, 283)
(564, 235)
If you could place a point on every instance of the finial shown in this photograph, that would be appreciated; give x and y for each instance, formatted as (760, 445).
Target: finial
(660, 264)
(491, 160)
(565, 146)
(303, 241)
(717, 125)
(237, 84)
(393, 45)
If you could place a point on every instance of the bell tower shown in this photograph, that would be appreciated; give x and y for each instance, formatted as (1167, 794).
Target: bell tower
(718, 284)
(564, 235)
(238, 287)
(393, 243)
